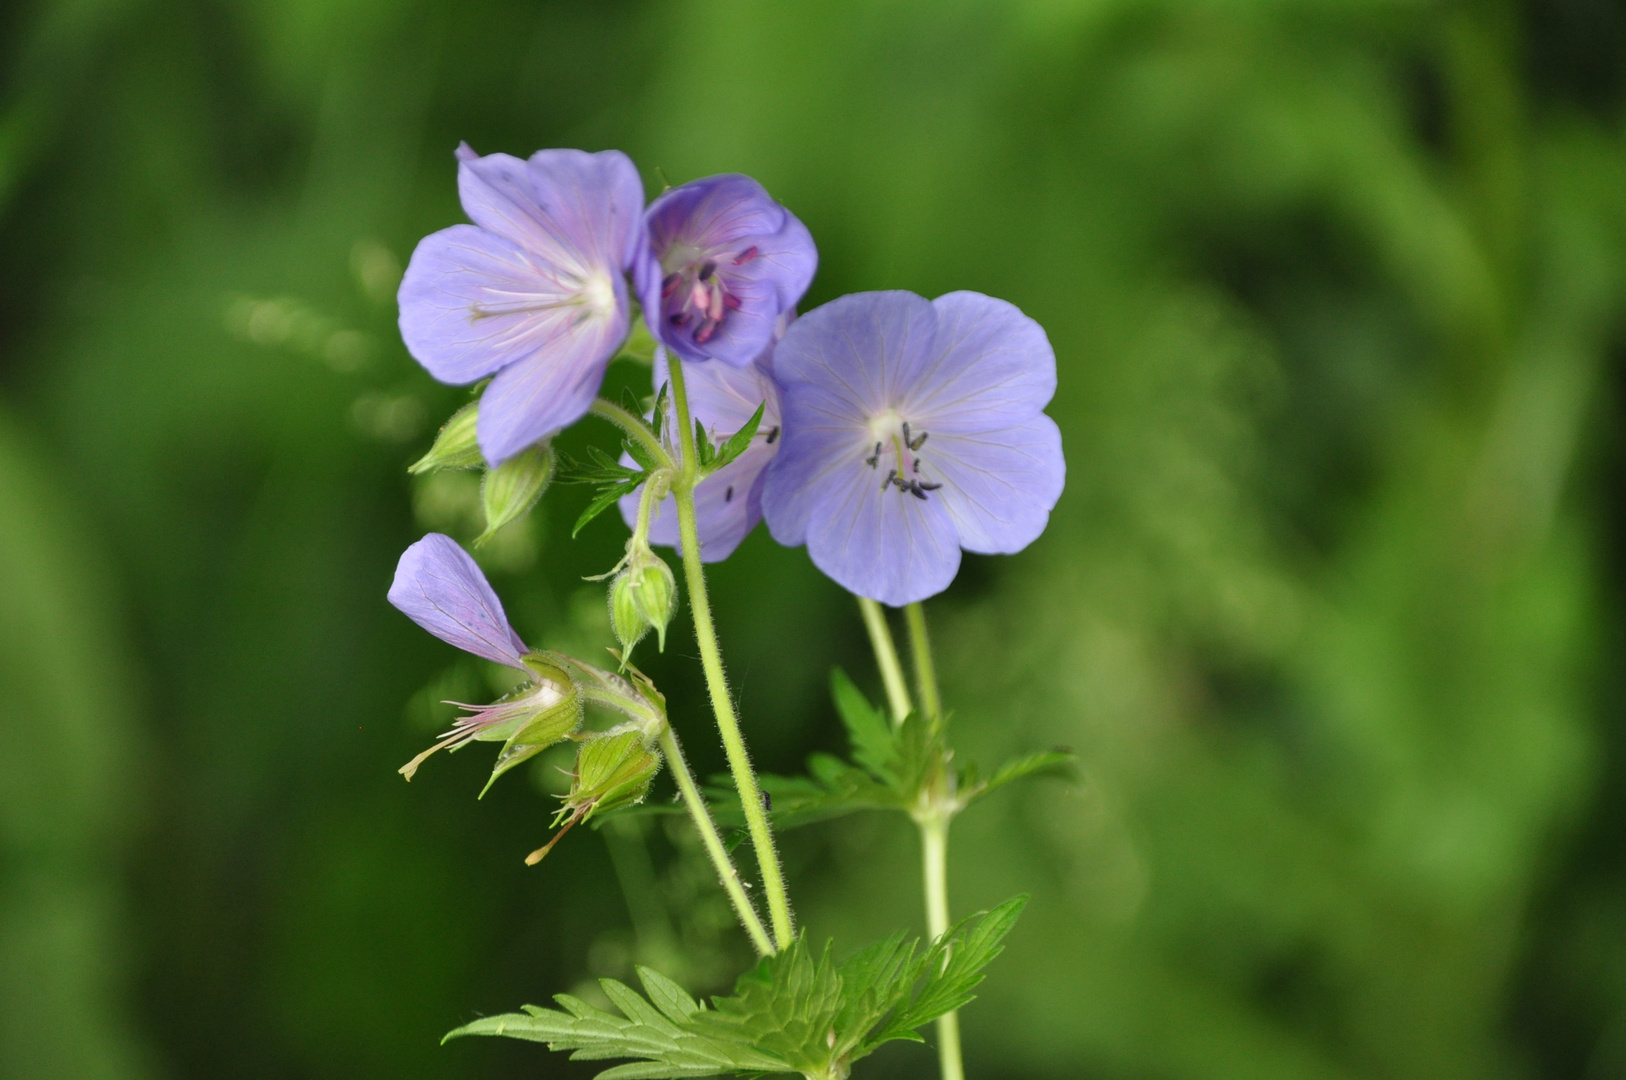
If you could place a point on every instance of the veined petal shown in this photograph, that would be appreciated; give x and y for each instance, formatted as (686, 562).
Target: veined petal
(881, 542)
(576, 211)
(999, 486)
(439, 587)
(990, 367)
(857, 352)
(549, 390)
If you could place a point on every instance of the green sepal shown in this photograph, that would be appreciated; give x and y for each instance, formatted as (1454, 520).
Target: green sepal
(456, 447)
(613, 769)
(547, 728)
(512, 488)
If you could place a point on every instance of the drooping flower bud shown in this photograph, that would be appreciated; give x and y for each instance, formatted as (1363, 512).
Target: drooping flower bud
(654, 592)
(626, 619)
(512, 488)
(614, 768)
(455, 447)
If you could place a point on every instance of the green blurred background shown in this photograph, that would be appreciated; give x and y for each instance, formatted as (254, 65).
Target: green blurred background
(1331, 607)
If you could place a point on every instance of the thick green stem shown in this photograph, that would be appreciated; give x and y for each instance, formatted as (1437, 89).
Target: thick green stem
(705, 632)
(713, 842)
(934, 852)
(886, 658)
(925, 670)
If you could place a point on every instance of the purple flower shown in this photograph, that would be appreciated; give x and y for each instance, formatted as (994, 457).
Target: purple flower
(439, 587)
(532, 292)
(724, 262)
(912, 429)
(728, 503)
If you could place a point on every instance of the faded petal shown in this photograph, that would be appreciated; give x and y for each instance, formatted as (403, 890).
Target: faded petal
(439, 587)
(1000, 486)
(881, 542)
(724, 262)
(989, 367)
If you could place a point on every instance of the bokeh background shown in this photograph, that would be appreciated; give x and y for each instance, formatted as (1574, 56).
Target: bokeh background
(1331, 608)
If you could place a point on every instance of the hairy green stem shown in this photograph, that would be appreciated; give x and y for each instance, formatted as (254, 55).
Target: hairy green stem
(886, 658)
(925, 670)
(934, 859)
(705, 632)
(632, 425)
(713, 842)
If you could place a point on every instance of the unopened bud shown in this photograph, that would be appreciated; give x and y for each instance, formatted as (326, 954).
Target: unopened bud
(626, 618)
(654, 592)
(613, 769)
(512, 488)
(455, 447)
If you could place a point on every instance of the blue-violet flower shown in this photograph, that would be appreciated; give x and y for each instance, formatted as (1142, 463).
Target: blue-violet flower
(724, 262)
(533, 292)
(439, 587)
(912, 429)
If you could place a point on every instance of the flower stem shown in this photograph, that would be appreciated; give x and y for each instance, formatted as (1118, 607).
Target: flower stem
(934, 859)
(925, 670)
(886, 658)
(632, 425)
(937, 809)
(705, 632)
(707, 828)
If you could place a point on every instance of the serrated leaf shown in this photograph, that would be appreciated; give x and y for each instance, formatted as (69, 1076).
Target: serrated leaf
(640, 453)
(602, 502)
(668, 996)
(971, 946)
(658, 414)
(868, 731)
(739, 441)
(1043, 763)
(704, 452)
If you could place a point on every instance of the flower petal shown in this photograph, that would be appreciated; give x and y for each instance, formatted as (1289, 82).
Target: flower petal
(881, 542)
(574, 210)
(990, 367)
(998, 486)
(553, 388)
(439, 587)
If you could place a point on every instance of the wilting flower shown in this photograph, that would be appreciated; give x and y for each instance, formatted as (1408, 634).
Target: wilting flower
(533, 292)
(439, 587)
(728, 503)
(724, 263)
(912, 429)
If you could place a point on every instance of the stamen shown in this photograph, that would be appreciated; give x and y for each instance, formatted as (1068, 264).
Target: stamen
(871, 460)
(732, 301)
(920, 440)
(890, 476)
(681, 318)
(700, 296)
(703, 333)
(669, 286)
(773, 433)
(707, 268)
(926, 485)
(745, 256)
(728, 496)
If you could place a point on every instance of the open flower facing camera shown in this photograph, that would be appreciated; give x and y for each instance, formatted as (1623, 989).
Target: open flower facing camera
(885, 432)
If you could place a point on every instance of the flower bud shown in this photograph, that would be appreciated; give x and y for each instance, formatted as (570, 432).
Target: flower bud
(626, 618)
(654, 593)
(512, 488)
(455, 447)
(613, 769)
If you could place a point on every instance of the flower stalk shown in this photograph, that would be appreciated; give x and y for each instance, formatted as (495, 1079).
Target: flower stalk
(739, 762)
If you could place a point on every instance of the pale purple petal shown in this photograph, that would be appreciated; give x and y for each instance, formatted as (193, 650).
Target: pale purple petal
(881, 542)
(724, 262)
(439, 587)
(990, 367)
(575, 210)
(851, 358)
(998, 486)
(532, 400)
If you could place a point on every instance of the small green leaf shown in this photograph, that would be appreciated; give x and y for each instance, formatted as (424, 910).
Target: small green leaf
(658, 413)
(1062, 763)
(705, 453)
(602, 502)
(739, 441)
(640, 453)
(868, 732)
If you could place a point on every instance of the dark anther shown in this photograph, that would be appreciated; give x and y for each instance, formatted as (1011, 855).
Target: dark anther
(917, 465)
(731, 301)
(773, 433)
(926, 485)
(704, 331)
(679, 319)
(906, 441)
(890, 477)
(916, 490)
(728, 496)
(872, 459)
(707, 268)
(746, 256)
(919, 440)
(669, 285)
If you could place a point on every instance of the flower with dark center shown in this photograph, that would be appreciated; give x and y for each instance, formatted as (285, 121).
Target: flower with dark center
(724, 262)
(913, 429)
(532, 293)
